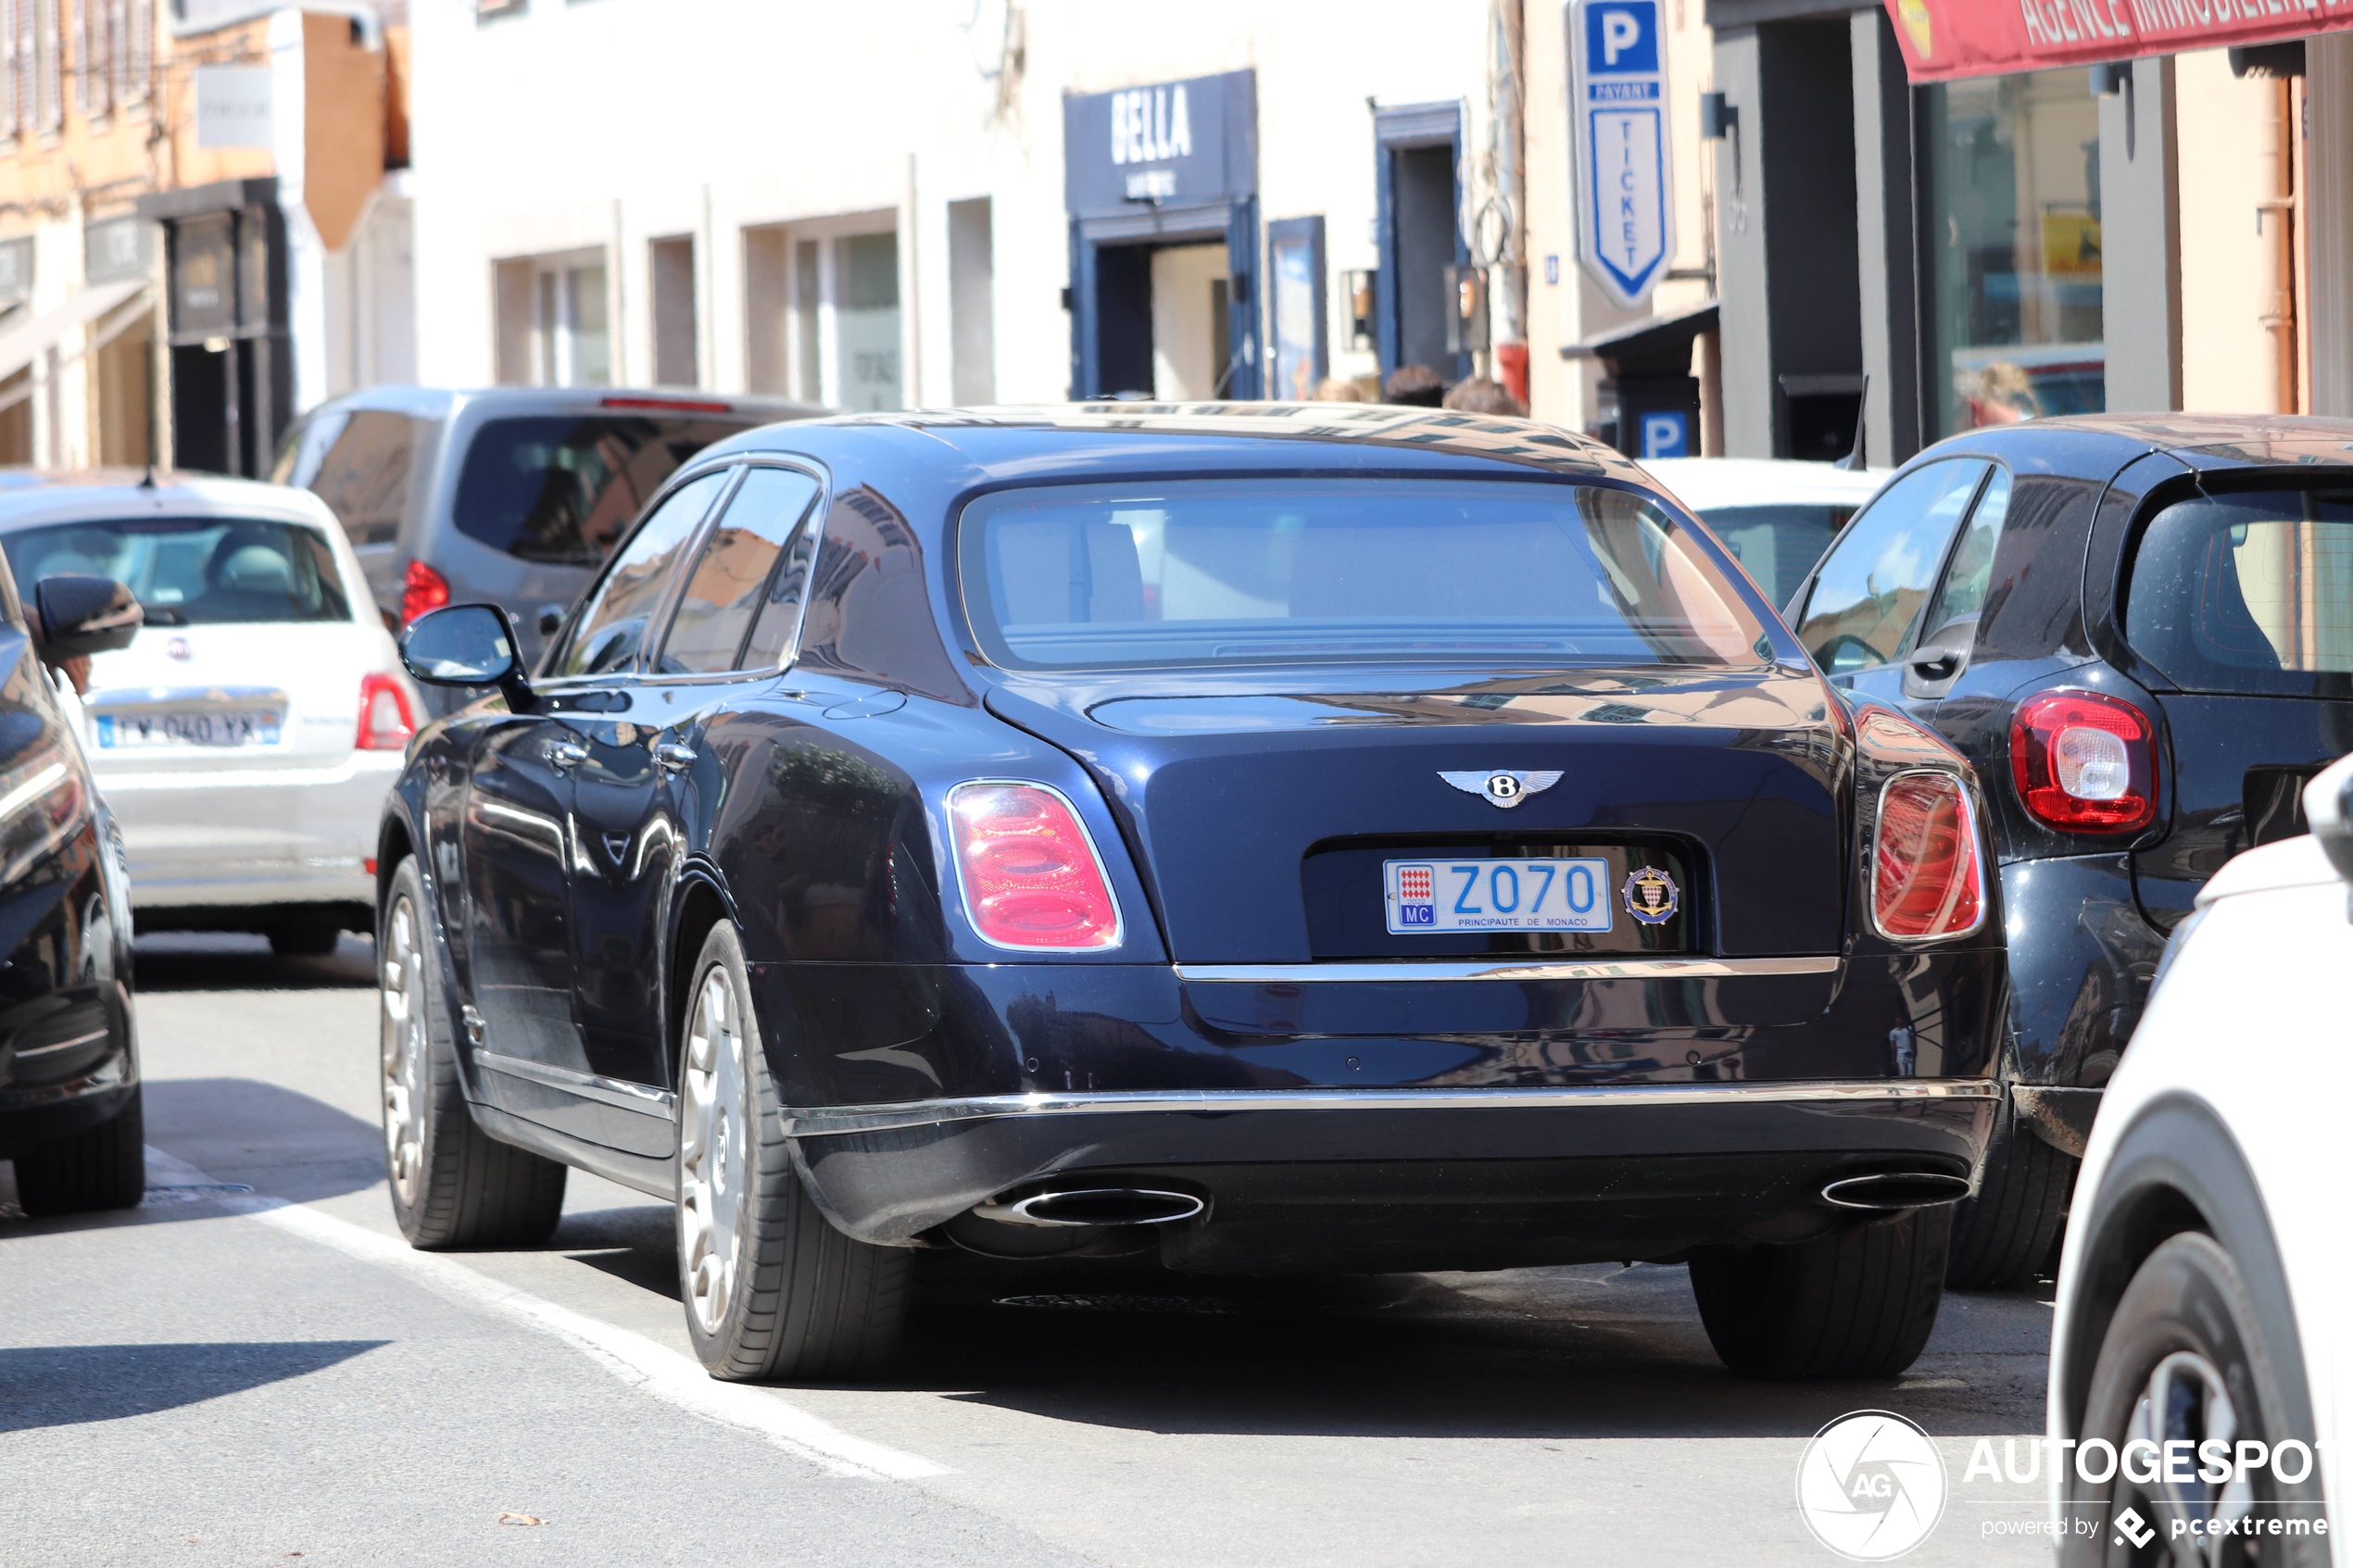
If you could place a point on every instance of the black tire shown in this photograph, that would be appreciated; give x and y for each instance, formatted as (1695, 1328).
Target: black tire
(303, 941)
(786, 1294)
(2006, 1234)
(2188, 1312)
(1857, 1303)
(452, 1183)
(100, 1167)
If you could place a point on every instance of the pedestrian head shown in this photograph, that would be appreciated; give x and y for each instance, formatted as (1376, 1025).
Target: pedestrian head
(1338, 389)
(1478, 395)
(1415, 386)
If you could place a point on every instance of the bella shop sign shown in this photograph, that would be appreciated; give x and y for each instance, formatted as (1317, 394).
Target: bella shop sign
(1178, 141)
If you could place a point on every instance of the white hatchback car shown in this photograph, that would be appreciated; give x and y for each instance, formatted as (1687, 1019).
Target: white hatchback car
(1775, 514)
(2206, 1290)
(246, 739)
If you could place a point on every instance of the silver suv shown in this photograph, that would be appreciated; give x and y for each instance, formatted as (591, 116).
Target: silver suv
(509, 496)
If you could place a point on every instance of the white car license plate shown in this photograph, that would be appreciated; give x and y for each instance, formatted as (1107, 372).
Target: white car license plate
(1432, 896)
(247, 727)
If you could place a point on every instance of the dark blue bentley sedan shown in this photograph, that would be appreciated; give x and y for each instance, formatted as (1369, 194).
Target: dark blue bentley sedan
(1258, 838)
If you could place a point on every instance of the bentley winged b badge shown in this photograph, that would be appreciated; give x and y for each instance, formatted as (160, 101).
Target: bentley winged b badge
(1504, 788)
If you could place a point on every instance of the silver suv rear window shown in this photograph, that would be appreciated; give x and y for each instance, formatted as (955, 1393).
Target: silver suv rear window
(565, 487)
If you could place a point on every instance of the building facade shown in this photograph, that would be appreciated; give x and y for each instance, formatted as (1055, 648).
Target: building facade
(202, 227)
(1910, 246)
(903, 204)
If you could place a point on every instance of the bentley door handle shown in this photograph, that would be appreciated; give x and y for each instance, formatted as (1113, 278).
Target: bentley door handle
(674, 755)
(563, 754)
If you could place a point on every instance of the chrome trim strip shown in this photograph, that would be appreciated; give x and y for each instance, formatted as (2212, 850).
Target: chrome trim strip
(833, 1121)
(640, 1097)
(1581, 969)
(92, 1037)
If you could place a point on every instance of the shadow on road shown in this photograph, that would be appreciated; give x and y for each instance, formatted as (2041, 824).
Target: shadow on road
(69, 1384)
(237, 1131)
(207, 960)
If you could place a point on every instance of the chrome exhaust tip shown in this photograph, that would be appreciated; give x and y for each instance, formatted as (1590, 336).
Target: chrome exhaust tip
(1097, 1206)
(1890, 1192)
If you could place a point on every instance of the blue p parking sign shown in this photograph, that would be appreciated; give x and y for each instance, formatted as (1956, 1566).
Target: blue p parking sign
(1667, 435)
(1625, 219)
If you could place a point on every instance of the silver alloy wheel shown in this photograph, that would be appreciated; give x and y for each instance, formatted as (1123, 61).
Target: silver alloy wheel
(2185, 1400)
(403, 988)
(710, 1152)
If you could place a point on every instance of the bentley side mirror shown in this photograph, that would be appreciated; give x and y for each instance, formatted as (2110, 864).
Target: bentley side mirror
(467, 645)
(2328, 806)
(83, 615)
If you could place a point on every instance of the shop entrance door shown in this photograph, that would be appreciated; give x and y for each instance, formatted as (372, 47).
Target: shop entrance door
(1421, 235)
(1161, 304)
(1190, 329)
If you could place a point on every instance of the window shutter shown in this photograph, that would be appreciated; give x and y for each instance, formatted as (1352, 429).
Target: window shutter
(119, 50)
(20, 71)
(11, 112)
(49, 90)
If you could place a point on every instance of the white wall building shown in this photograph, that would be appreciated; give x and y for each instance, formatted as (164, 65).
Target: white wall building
(874, 206)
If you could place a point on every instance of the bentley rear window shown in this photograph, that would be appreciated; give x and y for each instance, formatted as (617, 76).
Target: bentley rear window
(1210, 572)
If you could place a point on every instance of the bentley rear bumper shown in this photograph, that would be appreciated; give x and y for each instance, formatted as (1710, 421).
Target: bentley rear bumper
(1378, 1180)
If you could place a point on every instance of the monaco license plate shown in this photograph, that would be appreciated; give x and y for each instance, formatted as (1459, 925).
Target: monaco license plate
(1434, 896)
(231, 727)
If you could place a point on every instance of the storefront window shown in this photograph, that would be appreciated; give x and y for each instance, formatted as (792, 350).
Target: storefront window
(2014, 249)
(846, 321)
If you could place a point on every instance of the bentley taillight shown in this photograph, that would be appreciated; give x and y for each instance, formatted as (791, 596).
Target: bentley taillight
(2084, 762)
(385, 723)
(1031, 877)
(1927, 878)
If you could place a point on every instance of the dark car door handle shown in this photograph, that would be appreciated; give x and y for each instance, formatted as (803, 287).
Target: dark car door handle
(674, 755)
(1936, 663)
(563, 754)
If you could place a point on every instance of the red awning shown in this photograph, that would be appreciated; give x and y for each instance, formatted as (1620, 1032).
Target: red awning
(1943, 38)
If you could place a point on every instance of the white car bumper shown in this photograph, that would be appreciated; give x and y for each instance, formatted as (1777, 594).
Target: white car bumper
(252, 837)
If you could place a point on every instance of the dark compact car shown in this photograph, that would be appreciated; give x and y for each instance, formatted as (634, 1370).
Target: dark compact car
(2140, 630)
(69, 1108)
(513, 495)
(1265, 840)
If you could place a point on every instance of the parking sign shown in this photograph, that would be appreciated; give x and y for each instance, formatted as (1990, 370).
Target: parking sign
(1666, 434)
(1626, 222)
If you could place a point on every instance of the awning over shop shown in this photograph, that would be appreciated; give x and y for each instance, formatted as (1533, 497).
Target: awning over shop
(23, 343)
(1943, 39)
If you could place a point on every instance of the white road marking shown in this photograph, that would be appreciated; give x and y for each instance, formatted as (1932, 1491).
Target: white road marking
(636, 1361)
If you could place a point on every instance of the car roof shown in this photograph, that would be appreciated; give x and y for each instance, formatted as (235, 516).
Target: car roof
(437, 402)
(1707, 483)
(1012, 443)
(33, 497)
(2205, 442)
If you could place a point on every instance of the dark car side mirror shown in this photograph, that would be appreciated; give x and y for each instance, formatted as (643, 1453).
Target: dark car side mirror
(467, 645)
(83, 615)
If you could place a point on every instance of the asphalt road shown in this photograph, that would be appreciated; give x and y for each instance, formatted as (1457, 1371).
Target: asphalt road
(226, 1376)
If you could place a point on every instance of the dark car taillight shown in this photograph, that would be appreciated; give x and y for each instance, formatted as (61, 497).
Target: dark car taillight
(1031, 877)
(385, 723)
(2084, 762)
(1927, 876)
(422, 590)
